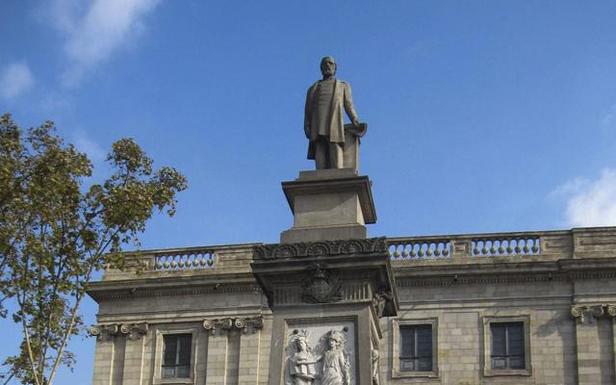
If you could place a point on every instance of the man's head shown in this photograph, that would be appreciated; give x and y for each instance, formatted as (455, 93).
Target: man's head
(328, 66)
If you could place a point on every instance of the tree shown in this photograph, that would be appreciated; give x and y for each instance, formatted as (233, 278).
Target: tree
(55, 234)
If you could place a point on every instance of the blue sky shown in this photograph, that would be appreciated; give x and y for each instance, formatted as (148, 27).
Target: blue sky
(483, 116)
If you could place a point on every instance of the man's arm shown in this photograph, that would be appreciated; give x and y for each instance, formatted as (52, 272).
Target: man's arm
(348, 105)
(307, 111)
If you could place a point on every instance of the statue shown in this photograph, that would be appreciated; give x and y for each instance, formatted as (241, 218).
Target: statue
(375, 366)
(336, 368)
(323, 121)
(300, 368)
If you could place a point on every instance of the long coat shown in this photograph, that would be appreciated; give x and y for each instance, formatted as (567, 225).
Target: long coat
(341, 99)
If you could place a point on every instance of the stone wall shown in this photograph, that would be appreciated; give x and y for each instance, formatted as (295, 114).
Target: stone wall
(561, 287)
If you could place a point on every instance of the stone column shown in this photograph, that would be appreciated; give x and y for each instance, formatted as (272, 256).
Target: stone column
(134, 353)
(587, 343)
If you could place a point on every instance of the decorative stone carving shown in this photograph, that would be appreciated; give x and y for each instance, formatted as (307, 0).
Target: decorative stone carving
(246, 325)
(321, 354)
(336, 367)
(300, 368)
(375, 366)
(611, 310)
(134, 331)
(104, 332)
(321, 285)
(585, 313)
(380, 300)
(321, 248)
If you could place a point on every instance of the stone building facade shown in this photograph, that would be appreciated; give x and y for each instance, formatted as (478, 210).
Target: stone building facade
(502, 308)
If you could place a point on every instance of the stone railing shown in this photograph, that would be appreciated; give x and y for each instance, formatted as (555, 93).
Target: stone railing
(190, 260)
(182, 260)
(466, 248)
(474, 246)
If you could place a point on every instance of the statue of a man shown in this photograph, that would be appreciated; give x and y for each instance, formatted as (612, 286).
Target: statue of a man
(323, 117)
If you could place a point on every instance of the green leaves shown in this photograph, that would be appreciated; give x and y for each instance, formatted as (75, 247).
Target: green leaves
(54, 234)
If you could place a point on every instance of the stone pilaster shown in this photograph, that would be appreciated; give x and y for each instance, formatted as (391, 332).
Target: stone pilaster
(134, 353)
(249, 357)
(217, 359)
(588, 343)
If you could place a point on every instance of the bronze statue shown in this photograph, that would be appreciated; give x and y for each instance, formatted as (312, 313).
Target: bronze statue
(323, 118)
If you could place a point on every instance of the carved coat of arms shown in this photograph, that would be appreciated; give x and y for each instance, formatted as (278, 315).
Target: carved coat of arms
(321, 285)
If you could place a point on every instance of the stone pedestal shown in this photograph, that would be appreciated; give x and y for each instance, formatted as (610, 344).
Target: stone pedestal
(316, 289)
(330, 204)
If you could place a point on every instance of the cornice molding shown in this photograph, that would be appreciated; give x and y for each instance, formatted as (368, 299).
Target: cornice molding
(321, 248)
(137, 292)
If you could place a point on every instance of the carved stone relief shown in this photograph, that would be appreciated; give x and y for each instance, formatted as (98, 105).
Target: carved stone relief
(244, 324)
(321, 285)
(105, 332)
(321, 248)
(375, 356)
(380, 300)
(321, 355)
(586, 313)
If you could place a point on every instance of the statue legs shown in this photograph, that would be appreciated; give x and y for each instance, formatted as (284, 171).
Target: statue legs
(328, 154)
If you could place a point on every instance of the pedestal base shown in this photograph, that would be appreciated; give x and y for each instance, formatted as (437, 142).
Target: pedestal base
(331, 204)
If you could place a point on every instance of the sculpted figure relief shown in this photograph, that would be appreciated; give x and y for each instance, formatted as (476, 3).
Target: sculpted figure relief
(329, 365)
(301, 364)
(336, 368)
(323, 117)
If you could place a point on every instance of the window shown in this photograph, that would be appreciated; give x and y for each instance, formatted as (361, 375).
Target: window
(176, 355)
(506, 349)
(507, 345)
(416, 348)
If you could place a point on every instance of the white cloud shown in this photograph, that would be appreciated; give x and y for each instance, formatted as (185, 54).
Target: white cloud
(94, 151)
(590, 202)
(94, 30)
(15, 79)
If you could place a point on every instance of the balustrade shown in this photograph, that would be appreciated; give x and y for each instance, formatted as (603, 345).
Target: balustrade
(195, 260)
(420, 248)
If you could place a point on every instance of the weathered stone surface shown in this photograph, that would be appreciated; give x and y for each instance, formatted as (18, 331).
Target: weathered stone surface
(328, 204)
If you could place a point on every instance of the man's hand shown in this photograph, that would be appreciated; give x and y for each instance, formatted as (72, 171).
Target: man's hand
(355, 123)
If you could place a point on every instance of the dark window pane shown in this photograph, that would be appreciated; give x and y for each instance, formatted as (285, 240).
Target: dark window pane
(184, 353)
(424, 341)
(499, 363)
(416, 348)
(507, 345)
(499, 339)
(516, 362)
(407, 341)
(516, 339)
(176, 355)
(170, 349)
(424, 364)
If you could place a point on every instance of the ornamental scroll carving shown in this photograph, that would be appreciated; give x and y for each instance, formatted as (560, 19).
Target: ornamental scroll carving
(245, 324)
(105, 332)
(321, 248)
(586, 313)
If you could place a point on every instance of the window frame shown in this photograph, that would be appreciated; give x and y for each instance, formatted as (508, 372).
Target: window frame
(488, 371)
(160, 351)
(397, 324)
(178, 354)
